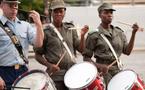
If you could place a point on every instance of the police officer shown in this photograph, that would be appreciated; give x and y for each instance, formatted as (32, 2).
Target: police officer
(96, 45)
(53, 47)
(12, 65)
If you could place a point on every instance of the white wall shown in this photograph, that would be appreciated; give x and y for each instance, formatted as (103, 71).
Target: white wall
(127, 14)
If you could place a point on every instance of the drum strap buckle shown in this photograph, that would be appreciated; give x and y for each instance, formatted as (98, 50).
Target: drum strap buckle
(17, 66)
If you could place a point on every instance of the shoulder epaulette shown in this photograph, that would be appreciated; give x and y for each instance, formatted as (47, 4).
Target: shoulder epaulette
(119, 28)
(47, 27)
(93, 31)
(69, 24)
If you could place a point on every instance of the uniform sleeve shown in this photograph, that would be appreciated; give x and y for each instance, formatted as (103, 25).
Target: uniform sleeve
(76, 41)
(42, 49)
(125, 43)
(89, 46)
(31, 34)
(124, 39)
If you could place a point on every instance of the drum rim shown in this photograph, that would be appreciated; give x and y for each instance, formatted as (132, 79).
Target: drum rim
(124, 71)
(27, 73)
(82, 87)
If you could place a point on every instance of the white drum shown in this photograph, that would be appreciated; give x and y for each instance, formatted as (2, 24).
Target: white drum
(34, 80)
(126, 80)
(83, 76)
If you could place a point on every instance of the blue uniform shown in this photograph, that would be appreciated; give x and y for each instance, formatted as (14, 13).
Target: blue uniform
(9, 55)
(25, 33)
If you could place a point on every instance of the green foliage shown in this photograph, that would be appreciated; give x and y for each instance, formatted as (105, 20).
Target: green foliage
(32, 5)
(38, 5)
(75, 2)
(27, 5)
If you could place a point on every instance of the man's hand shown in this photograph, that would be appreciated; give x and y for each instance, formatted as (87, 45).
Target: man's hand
(2, 84)
(36, 17)
(53, 68)
(84, 30)
(102, 68)
(135, 28)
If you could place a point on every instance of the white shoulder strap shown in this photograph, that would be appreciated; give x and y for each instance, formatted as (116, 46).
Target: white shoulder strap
(113, 51)
(62, 40)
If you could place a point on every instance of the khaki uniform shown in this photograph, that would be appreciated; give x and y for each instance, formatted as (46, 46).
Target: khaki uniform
(96, 45)
(53, 48)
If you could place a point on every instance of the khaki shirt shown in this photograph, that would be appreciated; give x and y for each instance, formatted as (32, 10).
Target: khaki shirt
(53, 48)
(96, 45)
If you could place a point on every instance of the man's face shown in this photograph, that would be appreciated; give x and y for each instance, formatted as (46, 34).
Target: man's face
(58, 14)
(10, 10)
(106, 16)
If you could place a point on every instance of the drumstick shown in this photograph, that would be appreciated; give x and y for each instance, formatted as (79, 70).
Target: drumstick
(140, 29)
(124, 23)
(61, 58)
(16, 87)
(110, 65)
(59, 61)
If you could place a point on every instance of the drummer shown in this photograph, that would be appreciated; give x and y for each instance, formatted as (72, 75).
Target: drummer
(12, 62)
(54, 49)
(100, 48)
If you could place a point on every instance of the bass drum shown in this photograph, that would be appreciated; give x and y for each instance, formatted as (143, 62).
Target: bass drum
(34, 80)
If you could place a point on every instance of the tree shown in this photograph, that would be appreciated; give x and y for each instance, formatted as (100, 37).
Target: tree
(27, 5)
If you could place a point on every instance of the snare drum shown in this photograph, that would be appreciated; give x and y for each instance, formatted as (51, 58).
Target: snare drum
(83, 76)
(34, 80)
(126, 80)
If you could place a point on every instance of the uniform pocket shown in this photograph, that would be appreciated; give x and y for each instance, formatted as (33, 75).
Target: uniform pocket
(22, 37)
(4, 39)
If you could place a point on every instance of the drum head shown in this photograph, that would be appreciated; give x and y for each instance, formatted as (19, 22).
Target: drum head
(80, 75)
(35, 80)
(122, 81)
